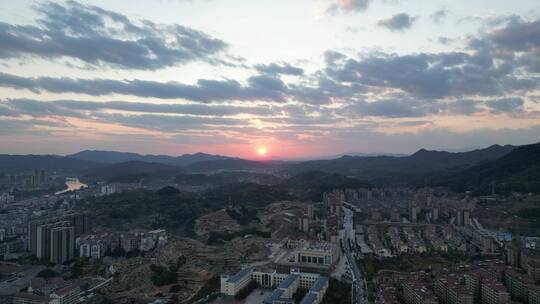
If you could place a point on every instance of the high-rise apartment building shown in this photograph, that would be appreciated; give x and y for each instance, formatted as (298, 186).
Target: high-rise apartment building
(62, 244)
(53, 239)
(80, 222)
(44, 239)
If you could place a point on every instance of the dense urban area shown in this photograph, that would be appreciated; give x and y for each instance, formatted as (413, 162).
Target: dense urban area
(102, 227)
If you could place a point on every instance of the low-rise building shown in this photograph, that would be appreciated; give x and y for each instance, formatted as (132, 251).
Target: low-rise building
(231, 285)
(310, 257)
(285, 285)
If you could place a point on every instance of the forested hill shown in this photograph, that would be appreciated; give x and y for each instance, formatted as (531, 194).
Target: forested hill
(517, 171)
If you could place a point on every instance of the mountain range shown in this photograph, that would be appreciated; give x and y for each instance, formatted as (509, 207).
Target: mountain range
(111, 157)
(421, 162)
(438, 166)
(515, 171)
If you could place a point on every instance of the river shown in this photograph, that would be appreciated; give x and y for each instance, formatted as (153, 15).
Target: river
(72, 184)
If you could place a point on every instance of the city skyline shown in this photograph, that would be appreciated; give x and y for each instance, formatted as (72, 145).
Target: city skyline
(271, 80)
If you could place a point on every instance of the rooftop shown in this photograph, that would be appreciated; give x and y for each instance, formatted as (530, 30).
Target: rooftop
(239, 275)
(318, 285)
(288, 281)
(274, 296)
(309, 298)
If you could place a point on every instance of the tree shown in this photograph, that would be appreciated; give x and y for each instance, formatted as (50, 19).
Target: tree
(47, 273)
(163, 275)
(338, 292)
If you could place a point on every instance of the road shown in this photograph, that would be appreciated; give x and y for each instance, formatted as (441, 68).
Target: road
(359, 284)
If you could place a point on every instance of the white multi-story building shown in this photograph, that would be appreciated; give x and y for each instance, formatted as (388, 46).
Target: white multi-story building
(231, 285)
(93, 250)
(286, 284)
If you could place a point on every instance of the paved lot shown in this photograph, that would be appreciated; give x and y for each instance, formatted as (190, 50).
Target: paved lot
(256, 297)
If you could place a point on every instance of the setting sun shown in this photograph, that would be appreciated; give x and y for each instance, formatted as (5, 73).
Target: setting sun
(261, 151)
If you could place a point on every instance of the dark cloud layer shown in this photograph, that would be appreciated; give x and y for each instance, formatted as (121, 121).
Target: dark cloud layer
(398, 22)
(100, 37)
(281, 68)
(258, 88)
(169, 118)
(518, 41)
(14, 107)
(506, 105)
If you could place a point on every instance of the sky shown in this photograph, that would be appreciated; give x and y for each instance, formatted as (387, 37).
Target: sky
(268, 79)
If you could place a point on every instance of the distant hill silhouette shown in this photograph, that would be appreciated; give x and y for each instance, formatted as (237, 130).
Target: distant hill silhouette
(421, 162)
(26, 163)
(234, 164)
(519, 170)
(111, 157)
(390, 168)
(132, 171)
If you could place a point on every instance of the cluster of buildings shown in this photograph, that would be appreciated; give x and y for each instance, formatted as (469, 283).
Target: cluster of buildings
(397, 205)
(37, 179)
(485, 282)
(326, 223)
(376, 245)
(305, 259)
(113, 188)
(34, 284)
(285, 285)
(48, 291)
(393, 240)
(6, 198)
(98, 245)
(62, 238)
(394, 221)
(53, 238)
(308, 256)
(12, 246)
(19, 221)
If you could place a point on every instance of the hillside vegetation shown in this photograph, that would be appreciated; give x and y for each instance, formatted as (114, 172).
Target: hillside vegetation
(517, 171)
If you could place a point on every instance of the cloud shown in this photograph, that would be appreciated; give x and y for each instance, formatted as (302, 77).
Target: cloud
(99, 37)
(260, 87)
(166, 123)
(394, 108)
(166, 118)
(281, 68)
(77, 108)
(398, 23)
(439, 16)
(346, 6)
(426, 75)
(506, 105)
(491, 66)
(464, 106)
(445, 40)
(29, 127)
(518, 40)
